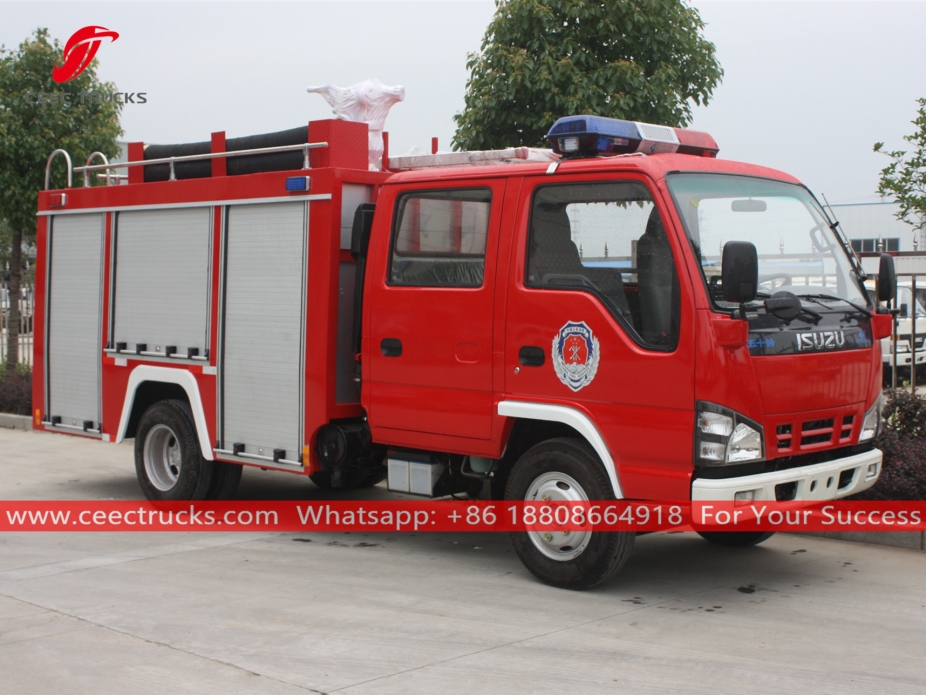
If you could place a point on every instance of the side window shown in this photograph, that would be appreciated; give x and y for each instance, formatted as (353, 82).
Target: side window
(608, 239)
(439, 238)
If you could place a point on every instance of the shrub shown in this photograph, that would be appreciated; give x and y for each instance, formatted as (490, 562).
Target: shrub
(15, 389)
(905, 413)
(903, 473)
(903, 441)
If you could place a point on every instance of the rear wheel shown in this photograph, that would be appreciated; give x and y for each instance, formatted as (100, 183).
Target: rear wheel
(566, 470)
(736, 539)
(168, 461)
(350, 480)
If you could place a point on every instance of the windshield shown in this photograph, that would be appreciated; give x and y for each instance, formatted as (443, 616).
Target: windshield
(798, 252)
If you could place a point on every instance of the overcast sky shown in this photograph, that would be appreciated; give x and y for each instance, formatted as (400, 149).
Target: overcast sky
(809, 87)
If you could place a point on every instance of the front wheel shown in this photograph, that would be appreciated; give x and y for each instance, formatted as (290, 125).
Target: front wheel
(736, 539)
(566, 470)
(168, 462)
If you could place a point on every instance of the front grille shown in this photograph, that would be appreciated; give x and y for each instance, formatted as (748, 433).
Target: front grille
(845, 434)
(817, 425)
(814, 434)
(784, 436)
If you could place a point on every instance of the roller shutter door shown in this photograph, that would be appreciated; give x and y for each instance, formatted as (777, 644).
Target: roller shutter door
(162, 279)
(263, 327)
(74, 349)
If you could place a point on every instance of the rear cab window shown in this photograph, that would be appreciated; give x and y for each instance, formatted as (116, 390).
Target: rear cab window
(439, 238)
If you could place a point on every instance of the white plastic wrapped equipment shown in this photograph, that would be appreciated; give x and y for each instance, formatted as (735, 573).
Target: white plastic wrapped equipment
(367, 102)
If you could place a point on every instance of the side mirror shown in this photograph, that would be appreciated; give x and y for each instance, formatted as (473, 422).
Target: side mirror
(904, 311)
(740, 271)
(887, 279)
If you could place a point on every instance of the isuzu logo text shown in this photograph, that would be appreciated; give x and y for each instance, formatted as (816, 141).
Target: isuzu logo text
(79, 51)
(820, 340)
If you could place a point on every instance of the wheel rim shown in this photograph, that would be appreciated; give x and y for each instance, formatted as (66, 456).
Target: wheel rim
(162, 457)
(559, 545)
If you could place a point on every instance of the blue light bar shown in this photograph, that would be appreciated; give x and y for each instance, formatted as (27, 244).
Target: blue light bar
(298, 183)
(592, 136)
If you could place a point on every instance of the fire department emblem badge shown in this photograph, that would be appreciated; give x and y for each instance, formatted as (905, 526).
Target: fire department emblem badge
(575, 355)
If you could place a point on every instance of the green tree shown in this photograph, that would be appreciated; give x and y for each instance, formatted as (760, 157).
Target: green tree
(642, 60)
(38, 116)
(905, 177)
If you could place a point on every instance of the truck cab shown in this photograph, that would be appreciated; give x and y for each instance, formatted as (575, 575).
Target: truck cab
(510, 310)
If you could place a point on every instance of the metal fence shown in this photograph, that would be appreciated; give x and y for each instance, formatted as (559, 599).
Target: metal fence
(905, 350)
(26, 314)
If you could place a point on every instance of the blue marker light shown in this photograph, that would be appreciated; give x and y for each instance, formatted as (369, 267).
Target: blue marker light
(298, 183)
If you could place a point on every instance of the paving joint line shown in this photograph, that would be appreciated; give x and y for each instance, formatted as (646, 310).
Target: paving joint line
(127, 560)
(157, 643)
(551, 632)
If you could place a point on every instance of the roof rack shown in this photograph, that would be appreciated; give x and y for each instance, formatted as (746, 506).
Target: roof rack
(511, 155)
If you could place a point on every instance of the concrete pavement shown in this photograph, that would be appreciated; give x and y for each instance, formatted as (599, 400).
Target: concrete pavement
(428, 613)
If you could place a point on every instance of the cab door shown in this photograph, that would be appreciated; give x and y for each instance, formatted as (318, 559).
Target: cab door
(601, 319)
(429, 329)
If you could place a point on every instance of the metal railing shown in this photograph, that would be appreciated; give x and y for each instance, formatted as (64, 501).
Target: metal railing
(26, 322)
(109, 167)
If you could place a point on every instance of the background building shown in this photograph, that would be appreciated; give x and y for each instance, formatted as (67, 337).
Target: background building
(868, 224)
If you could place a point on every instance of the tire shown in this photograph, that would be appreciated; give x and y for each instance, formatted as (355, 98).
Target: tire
(168, 461)
(355, 479)
(566, 469)
(736, 539)
(225, 479)
(374, 478)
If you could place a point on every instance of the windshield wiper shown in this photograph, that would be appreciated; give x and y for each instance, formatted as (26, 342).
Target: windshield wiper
(815, 298)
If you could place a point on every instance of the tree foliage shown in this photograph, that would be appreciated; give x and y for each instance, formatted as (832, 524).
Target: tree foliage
(641, 60)
(29, 132)
(905, 177)
(38, 116)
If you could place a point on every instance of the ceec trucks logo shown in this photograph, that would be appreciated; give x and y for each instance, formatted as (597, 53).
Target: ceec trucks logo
(79, 51)
(575, 355)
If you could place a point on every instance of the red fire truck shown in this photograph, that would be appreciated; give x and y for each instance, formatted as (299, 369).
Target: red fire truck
(622, 316)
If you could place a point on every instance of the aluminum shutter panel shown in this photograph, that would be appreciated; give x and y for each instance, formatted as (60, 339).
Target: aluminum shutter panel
(75, 293)
(162, 278)
(263, 327)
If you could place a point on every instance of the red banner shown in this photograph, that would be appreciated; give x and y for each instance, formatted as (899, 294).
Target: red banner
(454, 515)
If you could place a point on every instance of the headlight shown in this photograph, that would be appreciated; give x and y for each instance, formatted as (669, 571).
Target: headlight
(871, 425)
(723, 437)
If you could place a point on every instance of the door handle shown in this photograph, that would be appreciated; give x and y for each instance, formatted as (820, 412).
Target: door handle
(531, 356)
(391, 347)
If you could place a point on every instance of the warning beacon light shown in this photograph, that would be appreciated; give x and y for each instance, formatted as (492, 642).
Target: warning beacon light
(594, 136)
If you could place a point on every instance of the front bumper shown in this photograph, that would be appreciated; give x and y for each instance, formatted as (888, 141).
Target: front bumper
(820, 481)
